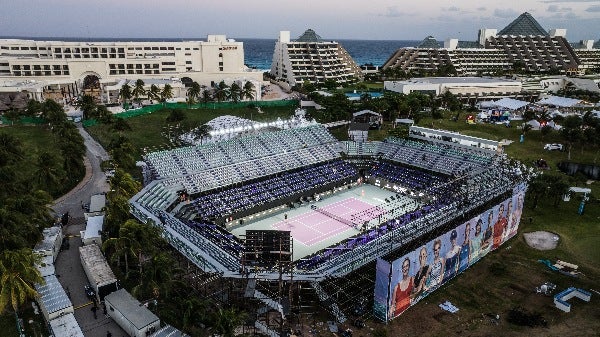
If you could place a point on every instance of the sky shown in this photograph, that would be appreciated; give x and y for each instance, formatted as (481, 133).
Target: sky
(331, 19)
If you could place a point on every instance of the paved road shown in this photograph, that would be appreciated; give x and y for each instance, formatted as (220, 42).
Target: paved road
(68, 265)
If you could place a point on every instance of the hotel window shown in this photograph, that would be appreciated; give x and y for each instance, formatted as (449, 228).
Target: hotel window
(220, 68)
(163, 48)
(121, 50)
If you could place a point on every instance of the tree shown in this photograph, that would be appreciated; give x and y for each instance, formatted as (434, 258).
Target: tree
(138, 90)
(571, 132)
(194, 91)
(176, 115)
(48, 172)
(227, 320)
(235, 92)
(222, 91)
(248, 91)
(104, 115)
(120, 125)
(13, 115)
(125, 94)
(166, 93)
(33, 108)
(18, 275)
(206, 96)
(122, 152)
(88, 106)
(153, 93)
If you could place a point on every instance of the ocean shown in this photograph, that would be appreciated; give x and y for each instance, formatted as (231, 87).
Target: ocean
(258, 53)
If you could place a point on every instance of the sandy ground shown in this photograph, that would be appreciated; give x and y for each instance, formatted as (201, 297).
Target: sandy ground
(541, 240)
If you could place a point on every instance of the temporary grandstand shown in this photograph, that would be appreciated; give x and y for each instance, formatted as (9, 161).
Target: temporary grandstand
(297, 205)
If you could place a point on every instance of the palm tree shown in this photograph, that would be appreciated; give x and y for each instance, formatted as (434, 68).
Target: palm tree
(248, 91)
(125, 94)
(18, 275)
(48, 172)
(153, 93)
(138, 90)
(191, 306)
(235, 92)
(88, 106)
(206, 96)
(11, 149)
(222, 91)
(227, 320)
(166, 93)
(117, 248)
(194, 91)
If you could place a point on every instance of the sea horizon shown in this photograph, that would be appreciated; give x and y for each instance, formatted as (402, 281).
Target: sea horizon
(258, 52)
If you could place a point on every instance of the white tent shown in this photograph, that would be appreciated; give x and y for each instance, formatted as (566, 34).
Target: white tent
(510, 103)
(564, 102)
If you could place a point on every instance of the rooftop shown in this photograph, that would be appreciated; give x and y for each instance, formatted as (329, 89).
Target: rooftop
(523, 25)
(52, 296)
(97, 265)
(309, 36)
(66, 326)
(131, 308)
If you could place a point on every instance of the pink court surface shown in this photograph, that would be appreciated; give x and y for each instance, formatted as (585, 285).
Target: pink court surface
(312, 227)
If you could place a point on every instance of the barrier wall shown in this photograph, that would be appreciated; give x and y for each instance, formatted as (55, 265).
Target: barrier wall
(210, 105)
(403, 282)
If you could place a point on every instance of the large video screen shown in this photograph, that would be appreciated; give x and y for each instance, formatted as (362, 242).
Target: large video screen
(407, 280)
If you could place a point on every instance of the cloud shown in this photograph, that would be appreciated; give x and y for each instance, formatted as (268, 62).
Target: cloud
(565, 1)
(556, 9)
(593, 9)
(506, 13)
(481, 9)
(393, 12)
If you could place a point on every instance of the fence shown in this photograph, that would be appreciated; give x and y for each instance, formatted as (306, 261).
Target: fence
(210, 105)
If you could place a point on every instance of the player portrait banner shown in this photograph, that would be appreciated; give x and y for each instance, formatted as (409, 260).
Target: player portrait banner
(403, 282)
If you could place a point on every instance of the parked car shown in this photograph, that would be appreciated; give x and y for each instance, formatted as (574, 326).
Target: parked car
(553, 147)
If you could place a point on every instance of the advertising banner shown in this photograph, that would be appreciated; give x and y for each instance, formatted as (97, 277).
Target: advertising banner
(407, 280)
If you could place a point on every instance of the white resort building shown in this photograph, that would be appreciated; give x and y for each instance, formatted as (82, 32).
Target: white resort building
(310, 58)
(55, 69)
(523, 44)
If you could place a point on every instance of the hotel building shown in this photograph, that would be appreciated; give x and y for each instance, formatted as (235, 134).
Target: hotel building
(67, 68)
(522, 44)
(310, 58)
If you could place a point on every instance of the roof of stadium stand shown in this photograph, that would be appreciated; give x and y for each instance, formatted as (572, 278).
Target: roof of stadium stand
(563, 102)
(523, 25)
(206, 170)
(366, 112)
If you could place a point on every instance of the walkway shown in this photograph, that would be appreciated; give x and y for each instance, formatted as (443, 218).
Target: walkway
(68, 264)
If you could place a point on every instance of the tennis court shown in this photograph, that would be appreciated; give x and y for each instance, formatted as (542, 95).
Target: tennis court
(315, 226)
